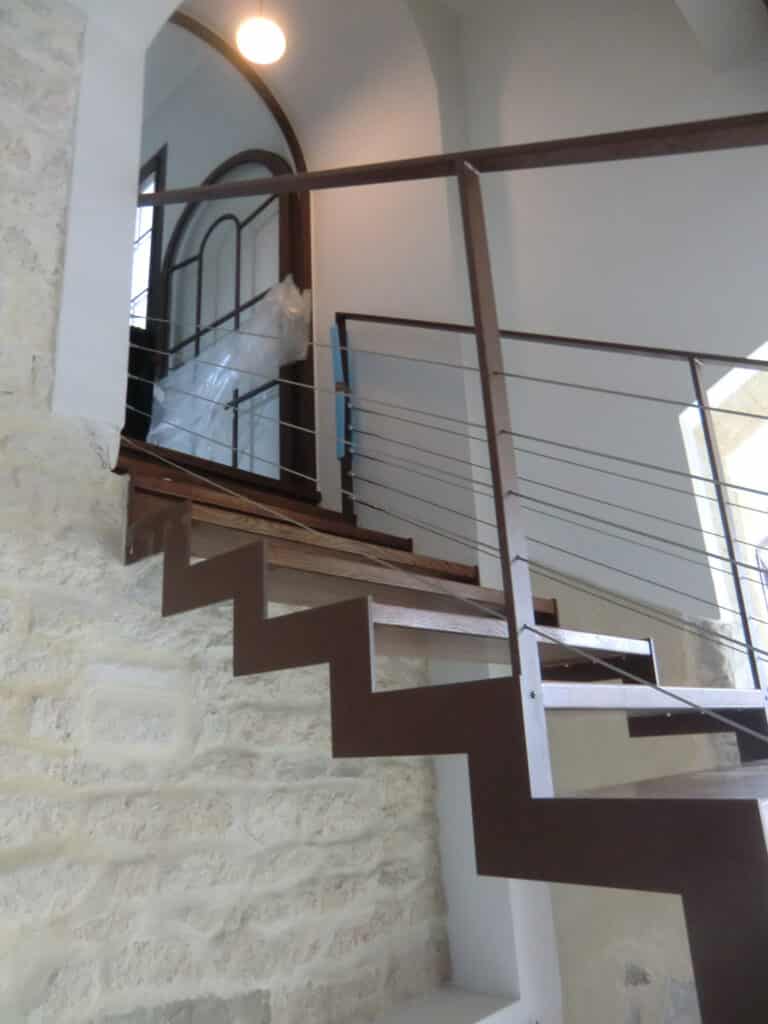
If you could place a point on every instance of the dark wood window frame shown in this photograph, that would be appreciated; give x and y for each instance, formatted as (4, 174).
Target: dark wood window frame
(297, 403)
(156, 166)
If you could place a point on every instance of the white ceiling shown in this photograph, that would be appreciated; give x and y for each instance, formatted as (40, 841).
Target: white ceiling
(469, 7)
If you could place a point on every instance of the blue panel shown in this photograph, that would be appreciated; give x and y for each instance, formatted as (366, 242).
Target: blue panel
(341, 404)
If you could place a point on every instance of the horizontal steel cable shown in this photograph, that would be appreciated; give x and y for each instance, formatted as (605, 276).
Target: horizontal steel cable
(416, 423)
(408, 465)
(334, 392)
(472, 484)
(648, 547)
(223, 444)
(640, 533)
(426, 501)
(632, 479)
(631, 677)
(635, 462)
(722, 641)
(626, 508)
(635, 576)
(224, 405)
(717, 639)
(479, 546)
(482, 522)
(276, 512)
(310, 430)
(686, 403)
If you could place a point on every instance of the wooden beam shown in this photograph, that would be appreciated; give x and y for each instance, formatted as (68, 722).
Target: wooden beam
(665, 140)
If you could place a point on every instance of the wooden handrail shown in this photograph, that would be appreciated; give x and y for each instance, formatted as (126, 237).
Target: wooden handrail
(665, 140)
(562, 341)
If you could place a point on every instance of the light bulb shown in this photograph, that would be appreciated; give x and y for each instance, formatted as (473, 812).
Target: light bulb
(261, 40)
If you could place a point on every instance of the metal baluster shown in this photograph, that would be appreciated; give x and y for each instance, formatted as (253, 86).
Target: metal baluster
(717, 472)
(235, 427)
(534, 760)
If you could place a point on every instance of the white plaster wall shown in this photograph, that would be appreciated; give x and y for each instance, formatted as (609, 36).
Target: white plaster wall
(663, 252)
(173, 844)
(97, 273)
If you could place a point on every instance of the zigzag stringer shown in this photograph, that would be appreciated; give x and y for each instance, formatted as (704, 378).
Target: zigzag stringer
(712, 852)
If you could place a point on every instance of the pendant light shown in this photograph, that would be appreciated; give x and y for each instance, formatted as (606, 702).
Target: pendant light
(261, 40)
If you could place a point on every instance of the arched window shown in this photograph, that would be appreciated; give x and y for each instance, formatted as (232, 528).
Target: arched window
(200, 286)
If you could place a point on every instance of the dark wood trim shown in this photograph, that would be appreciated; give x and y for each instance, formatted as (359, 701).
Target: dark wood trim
(237, 479)
(249, 72)
(564, 341)
(297, 404)
(701, 836)
(276, 165)
(531, 745)
(666, 140)
(347, 460)
(301, 226)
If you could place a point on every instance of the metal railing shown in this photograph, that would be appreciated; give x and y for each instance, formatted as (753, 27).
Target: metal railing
(693, 361)
(504, 485)
(711, 852)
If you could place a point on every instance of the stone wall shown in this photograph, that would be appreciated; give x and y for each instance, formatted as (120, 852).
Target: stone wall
(175, 845)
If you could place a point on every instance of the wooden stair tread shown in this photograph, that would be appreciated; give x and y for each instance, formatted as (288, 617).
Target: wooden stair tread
(443, 633)
(740, 782)
(304, 573)
(200, 494)
(153, 460)
(333, 543)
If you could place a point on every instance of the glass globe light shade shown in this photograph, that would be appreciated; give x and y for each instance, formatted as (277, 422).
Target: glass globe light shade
(261, 40)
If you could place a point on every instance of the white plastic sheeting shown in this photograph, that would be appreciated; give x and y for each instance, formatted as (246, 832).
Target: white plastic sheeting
(190, 412)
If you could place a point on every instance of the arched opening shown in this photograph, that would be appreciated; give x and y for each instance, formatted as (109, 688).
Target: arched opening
(220, 358)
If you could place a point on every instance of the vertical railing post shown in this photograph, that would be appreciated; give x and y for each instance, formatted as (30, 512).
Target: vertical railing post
(717, 472)
(235, 428)
(347, 479)
(524, 646)
(238, 272)
(199, 305)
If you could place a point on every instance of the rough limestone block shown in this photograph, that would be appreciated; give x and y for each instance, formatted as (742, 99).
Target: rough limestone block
(45, 890)
(127, 721)
(158, 818)
(27, 818)
(250, 1009)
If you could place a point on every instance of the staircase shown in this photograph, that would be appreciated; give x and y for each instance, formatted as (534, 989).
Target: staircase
(702, 836)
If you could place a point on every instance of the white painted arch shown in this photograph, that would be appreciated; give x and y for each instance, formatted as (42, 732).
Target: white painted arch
(367, 81)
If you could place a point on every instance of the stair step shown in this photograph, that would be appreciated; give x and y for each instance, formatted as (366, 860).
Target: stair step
(164, 463)
(302, 572)
(739, 782)
(473, 638)
(200, 494)
(334, 543)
